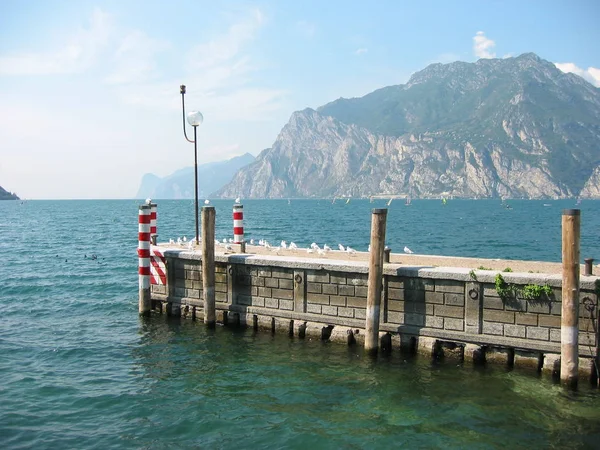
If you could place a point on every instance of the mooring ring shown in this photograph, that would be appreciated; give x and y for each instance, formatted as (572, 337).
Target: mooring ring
(473, 293)
(298, 278)
(588, 304)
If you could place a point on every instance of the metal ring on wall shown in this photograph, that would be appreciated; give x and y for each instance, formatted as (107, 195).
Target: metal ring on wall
(473, 293)
(298, 278)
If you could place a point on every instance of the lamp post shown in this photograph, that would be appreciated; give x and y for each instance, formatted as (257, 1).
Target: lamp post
(194, 118)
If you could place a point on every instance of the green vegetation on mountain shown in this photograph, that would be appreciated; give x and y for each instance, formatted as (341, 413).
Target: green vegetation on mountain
(514, 127)
(5, 195)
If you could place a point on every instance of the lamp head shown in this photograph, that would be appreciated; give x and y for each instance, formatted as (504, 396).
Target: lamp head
(195, 118)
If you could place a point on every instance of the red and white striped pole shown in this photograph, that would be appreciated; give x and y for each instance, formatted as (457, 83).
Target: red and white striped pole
(144, 259)
(238, 224)
(153, 234)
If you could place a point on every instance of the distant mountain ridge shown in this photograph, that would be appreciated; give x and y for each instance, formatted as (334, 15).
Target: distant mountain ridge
(5, 195)
(180, 184)
(514, 127)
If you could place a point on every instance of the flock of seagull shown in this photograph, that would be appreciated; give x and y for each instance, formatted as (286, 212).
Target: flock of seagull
(283, 245)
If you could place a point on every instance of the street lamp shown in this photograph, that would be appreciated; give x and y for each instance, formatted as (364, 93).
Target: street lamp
(194, 118)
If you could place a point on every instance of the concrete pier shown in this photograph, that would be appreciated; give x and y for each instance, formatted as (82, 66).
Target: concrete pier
(449, 312)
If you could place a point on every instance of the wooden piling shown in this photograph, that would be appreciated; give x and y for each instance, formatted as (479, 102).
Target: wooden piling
(569, 325)
(208, 264)
(374, 286)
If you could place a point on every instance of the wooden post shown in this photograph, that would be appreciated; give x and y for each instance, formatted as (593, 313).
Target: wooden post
(569, 324)
(378, 221)
(208, 264)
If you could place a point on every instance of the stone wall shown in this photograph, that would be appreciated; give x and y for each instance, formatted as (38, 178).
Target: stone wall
(447, 304)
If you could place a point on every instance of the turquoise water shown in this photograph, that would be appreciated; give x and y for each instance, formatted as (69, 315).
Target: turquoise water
(79, 369)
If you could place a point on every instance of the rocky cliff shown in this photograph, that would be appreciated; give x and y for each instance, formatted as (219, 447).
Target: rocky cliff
(514, 127)
(180, 184)
(5, 195)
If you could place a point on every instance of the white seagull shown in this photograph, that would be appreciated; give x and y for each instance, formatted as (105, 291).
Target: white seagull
(238, 200)
(341, 247)
(407, 250)
(293, 246)
(206, 202)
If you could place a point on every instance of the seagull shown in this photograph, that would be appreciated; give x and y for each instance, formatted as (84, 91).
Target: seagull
(327, 248)
(407, 250)
(283, 245)
(251, 241)
(148, 201)
(184, 239)
(224, 241)
(238, 200)
(171, 241)
(320, 252)
(309, 250)
(293, 246)
(350, 250)
(206, 202)
(341, 247)
(314, 246)
(179, 241)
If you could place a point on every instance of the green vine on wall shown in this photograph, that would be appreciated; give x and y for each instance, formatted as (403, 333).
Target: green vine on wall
(530, 292)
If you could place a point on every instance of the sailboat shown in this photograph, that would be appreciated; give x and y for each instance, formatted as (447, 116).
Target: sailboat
(347, 201)
(390, 201)
(407, 203)
(444, 201)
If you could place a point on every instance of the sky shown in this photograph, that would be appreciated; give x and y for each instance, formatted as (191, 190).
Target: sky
(89, 90)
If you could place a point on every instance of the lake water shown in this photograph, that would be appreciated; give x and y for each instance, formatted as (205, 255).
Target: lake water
(80, 369)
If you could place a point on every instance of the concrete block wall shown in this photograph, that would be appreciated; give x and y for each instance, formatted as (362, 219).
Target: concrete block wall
(446, 304)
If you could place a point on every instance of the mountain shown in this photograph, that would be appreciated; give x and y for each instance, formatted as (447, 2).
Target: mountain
(514, 127)
(5, 195)
(180, 184)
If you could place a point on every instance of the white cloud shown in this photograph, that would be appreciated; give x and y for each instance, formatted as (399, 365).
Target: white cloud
(224, 48)
(220, 78)
(361, 51)
(135, 58)
(306, 29)
(482, 46)
(77, 55)
(591, 74)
